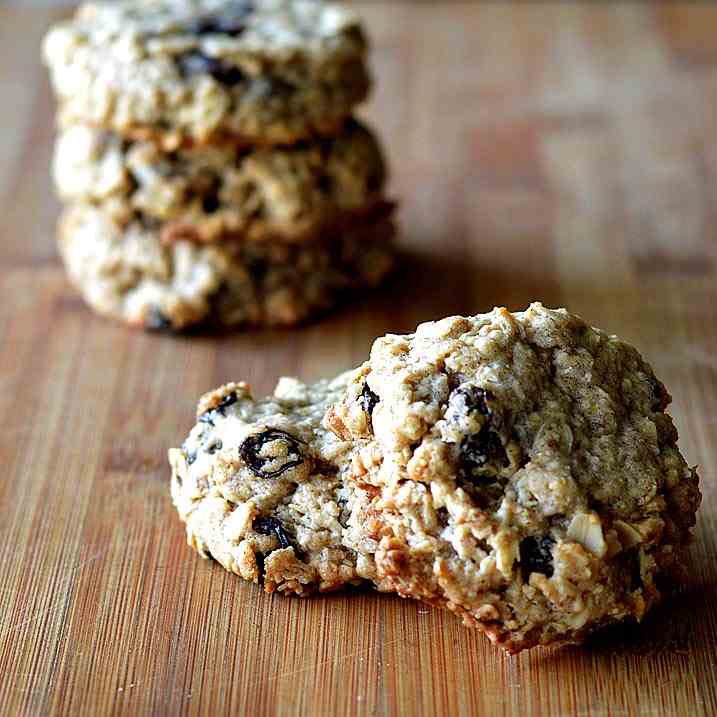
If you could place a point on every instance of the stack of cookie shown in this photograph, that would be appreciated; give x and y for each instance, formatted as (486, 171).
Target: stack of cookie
(210, 162)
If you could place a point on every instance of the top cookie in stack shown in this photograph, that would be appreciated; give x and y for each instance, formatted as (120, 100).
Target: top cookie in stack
(210, 162)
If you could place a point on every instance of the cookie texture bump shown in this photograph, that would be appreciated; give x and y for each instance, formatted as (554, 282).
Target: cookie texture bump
(518, 469)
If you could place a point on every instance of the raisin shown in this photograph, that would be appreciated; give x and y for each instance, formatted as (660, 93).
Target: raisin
(478, 449)
(635, 572)
(251, 448)
(272, 526)
(214, 447)
(231, 22)
(443, 517)
(228, 75)
(229, 400)
(259, 269)
(207, 187)
(325, 183)
(225, 402)
(368, 399)
(210, 203)
(475, 399)
(197, 63)
(536, 555)
(157, 321)
(325, 468)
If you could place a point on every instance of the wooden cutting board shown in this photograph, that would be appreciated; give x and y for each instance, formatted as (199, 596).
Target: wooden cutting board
(566, 153)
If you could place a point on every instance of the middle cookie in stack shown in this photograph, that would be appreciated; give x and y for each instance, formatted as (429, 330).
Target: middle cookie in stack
(205, 214)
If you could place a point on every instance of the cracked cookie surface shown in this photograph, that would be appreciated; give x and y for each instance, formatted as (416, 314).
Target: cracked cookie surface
(128, 273)
(530, 479)
(176, 71)
(204, 193)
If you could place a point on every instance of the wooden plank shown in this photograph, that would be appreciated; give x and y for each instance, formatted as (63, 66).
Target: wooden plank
(555, 151)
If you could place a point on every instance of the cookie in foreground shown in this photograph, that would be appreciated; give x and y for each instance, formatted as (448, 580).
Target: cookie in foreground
(259, 486)
(518, 469)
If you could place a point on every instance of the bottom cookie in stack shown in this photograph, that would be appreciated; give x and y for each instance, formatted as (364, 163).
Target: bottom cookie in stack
(126, 271)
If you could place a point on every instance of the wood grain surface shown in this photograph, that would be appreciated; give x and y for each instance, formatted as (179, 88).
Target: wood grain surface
(563, 152)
